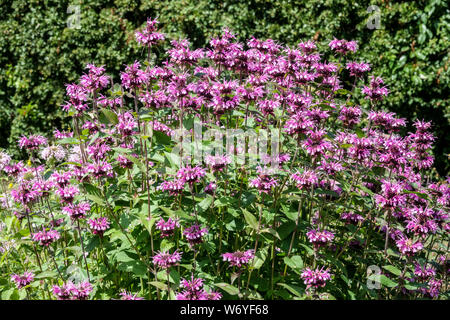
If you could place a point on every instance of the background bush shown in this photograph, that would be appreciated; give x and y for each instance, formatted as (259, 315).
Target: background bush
(39, 53)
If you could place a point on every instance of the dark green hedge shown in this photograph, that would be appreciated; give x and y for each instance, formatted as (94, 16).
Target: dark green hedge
(39, 53)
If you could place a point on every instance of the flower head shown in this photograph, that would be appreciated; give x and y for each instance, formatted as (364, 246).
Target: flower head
(166, 260)
(315, 278)
(22, 280)
(238, 258)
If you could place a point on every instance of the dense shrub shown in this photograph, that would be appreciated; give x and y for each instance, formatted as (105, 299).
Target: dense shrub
(157, 194)
(39, 53)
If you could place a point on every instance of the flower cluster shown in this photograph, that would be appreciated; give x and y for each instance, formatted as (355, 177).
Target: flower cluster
(238, 258)
(193, 290)
(22, 280)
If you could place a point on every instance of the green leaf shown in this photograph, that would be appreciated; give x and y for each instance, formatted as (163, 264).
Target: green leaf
(309, 250)
(393, 270)
(251, 219)
(96, 199)
(159, 285)
(232, 290)
(46, 274)
(110, 116)
(205, 203)
(295, 262)
(260, 257)
(387, 282)
(297, 291)
(135, 266)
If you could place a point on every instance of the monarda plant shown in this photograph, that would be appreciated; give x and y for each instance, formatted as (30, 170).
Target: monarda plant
(237, 171)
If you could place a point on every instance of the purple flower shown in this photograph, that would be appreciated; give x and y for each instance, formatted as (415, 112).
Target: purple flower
(424, 272)
(126, 124)
(238, 258)
(211, 188)
(180, 54)
(191, 174)
(194, 291)
(351, 217)
(133, 76)
(128, 296)
(316, 144)
(100, 169)
(95, 79)
(319, 238)
(62, 134)
(166, 260)
(45, 238)
(297, 124)
(77, 211)
(305, 180)
(315, 278)
(264, 183)
(99, 225)
(148, 37)
(167, 228)
(350, 116)
(32, 142)
(343, 46)
(391, 196)
(124, 162)
(408, 247)
(22, 280)
(375, 91)
(194, 234)
(357, 69)
(67, 193)
(71, 291)
(174, 187)
(217, 163)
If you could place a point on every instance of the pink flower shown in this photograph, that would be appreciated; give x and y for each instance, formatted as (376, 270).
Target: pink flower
(238, 258)
(194, 291)
(166, 260)
(375, 91)
(126, 124)
(45, 238)
(174, 187)
(167, 228)
(133, 76)
(191, 174)
(95, 79)
(32, 142)
(217, 163)
(128, 296)
(305, 180)
(357, 69)
(315, 278)
(148, 37)
(67, 193)
(343, 46)
(22, 280)
(99, 225)
(320, 238)
(408, 247)
(77, 211)
(194, 234)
